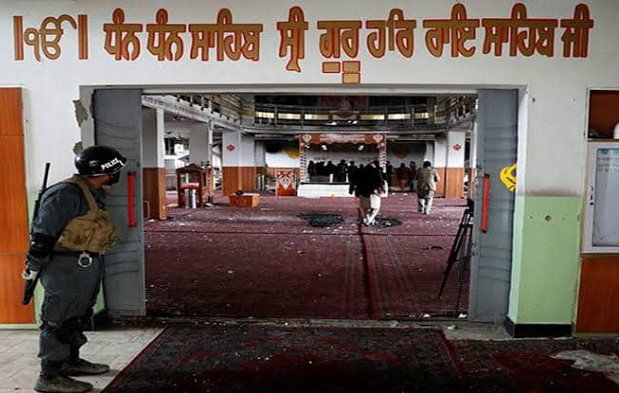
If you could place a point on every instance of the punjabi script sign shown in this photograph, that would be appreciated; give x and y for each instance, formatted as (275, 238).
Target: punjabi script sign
(340, 41)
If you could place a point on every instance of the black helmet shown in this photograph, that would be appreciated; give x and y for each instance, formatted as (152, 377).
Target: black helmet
(99, 160)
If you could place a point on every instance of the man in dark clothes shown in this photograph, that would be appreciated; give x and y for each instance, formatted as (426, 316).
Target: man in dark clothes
(70, 234)
(311, 169)
(340, 172)
(330, 169)
(350, 170)
(389, 173)
(368, 184)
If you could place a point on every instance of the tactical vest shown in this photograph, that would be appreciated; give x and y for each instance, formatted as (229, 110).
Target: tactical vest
(93, 231)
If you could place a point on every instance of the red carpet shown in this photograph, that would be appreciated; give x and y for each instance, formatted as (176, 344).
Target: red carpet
(255, 359)
(200, 274)
(405, 276)
(251, 358)
(270, 262)
(526, 366)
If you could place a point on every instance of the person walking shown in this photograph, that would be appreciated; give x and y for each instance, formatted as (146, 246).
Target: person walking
(368, 185)
(426, 187)
(70, 234)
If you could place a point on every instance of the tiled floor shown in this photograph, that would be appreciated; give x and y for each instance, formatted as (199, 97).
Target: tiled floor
(19, 365)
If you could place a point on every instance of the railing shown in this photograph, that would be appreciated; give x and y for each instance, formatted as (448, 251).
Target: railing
(329, 116)
(448, 110)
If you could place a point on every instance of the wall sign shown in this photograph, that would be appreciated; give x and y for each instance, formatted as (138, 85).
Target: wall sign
(508, 177)
(340, 42)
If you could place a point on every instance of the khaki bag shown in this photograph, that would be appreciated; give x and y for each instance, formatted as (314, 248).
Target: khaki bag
(93, 231)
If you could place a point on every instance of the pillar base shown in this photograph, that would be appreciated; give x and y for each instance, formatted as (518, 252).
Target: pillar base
(521, 330)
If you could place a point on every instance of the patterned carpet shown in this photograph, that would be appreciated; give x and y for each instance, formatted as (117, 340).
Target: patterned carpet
(274, 261)
(255, 359)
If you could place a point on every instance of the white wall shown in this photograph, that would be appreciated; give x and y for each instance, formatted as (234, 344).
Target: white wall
(416, 152)
(455, 156)
(280, 160)
(259, 154)
(556, 87)
(440, 152)
(238, 150)
(198, 144)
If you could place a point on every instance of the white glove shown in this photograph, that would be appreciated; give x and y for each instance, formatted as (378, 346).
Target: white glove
(29, 274)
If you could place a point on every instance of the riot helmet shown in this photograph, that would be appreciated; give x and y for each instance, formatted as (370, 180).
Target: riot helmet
(99, 161)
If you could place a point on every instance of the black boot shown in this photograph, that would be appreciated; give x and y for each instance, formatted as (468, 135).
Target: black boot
(60, 384)
(83, 367)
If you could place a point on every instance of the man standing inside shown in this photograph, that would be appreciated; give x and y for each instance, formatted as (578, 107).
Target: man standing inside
(426, 187)
(70, 234)
(389, 174)
(412, 175)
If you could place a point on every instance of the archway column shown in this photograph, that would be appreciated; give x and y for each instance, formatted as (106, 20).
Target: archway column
(239, 162)
(153, 163)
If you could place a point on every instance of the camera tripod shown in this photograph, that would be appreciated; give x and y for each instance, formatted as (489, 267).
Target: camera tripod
(460, 253)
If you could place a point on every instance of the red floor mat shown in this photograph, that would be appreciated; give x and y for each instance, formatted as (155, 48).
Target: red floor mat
(269, 262)
(406, 274)
(295, 360)
(312, 276)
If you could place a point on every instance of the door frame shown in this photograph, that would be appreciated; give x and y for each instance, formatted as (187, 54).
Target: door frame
(87, 92)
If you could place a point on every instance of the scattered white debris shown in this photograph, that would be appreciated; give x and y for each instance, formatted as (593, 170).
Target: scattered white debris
(392, 324)
(585, 360)
(319, 275)
(426, 315)
(462, 315)
(230, 271)
(451, 327)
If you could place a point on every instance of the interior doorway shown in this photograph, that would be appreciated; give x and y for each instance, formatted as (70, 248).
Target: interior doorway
(265, 262)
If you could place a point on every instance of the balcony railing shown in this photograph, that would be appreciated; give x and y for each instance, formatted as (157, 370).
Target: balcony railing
(269, 114)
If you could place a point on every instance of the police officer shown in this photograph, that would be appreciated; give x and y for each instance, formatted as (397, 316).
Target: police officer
(70, 235)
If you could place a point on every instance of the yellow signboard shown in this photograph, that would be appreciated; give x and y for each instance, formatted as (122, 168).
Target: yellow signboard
(508, 177)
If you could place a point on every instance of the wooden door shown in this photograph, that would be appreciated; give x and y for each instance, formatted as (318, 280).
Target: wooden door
(13, 210)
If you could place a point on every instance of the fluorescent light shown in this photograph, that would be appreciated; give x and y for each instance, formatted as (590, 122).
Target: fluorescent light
(399, 116)
(265, 115)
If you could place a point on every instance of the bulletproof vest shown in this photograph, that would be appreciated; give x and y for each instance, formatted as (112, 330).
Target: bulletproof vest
(93, 231)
